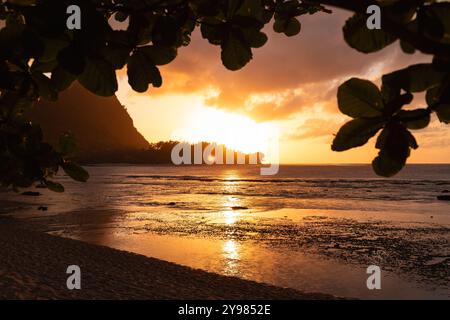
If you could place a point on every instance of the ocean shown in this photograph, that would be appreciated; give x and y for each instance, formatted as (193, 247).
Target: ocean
(314, 228)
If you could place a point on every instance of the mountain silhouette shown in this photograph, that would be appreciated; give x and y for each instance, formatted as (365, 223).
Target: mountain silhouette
(103, 130)
(101, 126)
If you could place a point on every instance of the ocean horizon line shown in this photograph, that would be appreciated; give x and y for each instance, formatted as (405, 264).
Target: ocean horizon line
(251, 165)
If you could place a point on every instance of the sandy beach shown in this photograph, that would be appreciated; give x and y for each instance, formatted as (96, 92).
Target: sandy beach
(33, 266)
(297, 231)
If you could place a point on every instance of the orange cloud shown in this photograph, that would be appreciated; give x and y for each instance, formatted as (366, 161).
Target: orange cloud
(285, 77)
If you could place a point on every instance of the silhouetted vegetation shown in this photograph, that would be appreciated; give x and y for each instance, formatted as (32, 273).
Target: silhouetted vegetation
(158, 153)
(39, 58)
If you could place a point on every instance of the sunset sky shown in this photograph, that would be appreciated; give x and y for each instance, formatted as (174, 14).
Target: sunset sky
(290, 85)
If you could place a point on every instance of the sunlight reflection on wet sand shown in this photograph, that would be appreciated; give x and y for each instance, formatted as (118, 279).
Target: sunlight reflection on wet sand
(231, 254)
(274, 266)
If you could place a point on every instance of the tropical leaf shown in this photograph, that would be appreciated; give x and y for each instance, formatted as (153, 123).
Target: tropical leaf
(142, 72)
(99, 77)
(361, 38)
(236, 53)
(395, 143)
(75, 171)
(415, 119)
(54, 186)
(359, 98)
(356, 133)
(416, 78)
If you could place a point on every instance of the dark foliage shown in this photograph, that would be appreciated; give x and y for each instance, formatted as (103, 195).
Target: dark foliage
(39, 58)
(160, 153)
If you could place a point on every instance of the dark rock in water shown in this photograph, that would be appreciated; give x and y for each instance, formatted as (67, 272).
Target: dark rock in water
(445, 191)
(239, 208)
(443, 198)
(171, 203)
(42, 208)
(31, 193)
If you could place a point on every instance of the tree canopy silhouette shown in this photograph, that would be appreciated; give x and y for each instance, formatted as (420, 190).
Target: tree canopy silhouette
(39, 57)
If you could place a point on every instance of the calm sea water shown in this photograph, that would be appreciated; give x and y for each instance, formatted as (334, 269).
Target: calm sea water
(314, 228)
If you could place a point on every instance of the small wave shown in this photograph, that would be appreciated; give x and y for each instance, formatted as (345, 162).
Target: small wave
(351, 182)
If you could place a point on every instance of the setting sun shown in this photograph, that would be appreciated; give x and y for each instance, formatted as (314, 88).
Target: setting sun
(235, 131)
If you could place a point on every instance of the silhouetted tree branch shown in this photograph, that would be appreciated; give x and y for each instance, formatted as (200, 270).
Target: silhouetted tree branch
(39, 58)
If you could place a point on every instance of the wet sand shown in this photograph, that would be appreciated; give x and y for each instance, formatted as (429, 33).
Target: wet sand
(33, 265)
(411, 245)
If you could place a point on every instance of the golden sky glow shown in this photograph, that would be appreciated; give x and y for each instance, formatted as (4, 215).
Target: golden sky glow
(290, 85)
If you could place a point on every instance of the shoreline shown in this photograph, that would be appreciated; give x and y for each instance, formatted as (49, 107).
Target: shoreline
(33, 266)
